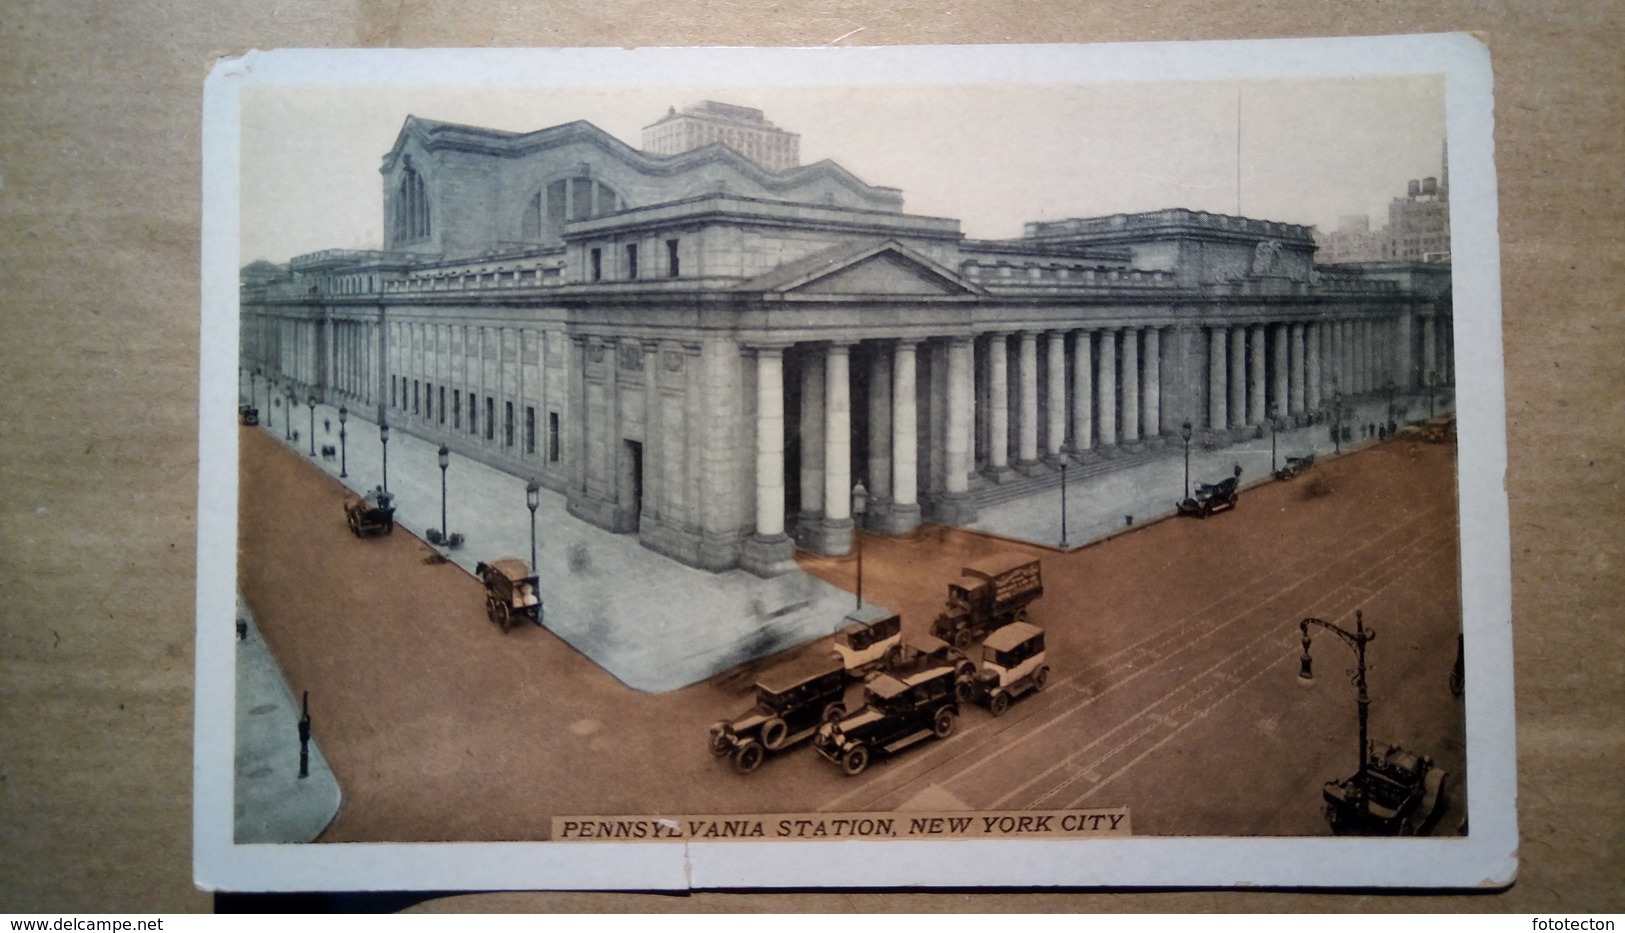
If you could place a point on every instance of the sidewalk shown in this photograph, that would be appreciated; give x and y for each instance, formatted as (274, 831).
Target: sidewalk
(1102, 505)
(678, 625)
(653, 623)
(272, 802)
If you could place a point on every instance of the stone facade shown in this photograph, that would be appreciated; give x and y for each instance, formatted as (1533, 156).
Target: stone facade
(711, 357)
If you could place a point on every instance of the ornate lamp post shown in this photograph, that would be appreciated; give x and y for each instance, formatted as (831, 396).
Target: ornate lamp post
(860, 505)
(1276, 425)
(1337, 421)
(445, 461)
(311, 401)
(1063, 503)
(1357, 639)
(344, 459)
(1185, 435)
(254, 387)
(287, 423)
(383, 438)
(532, 499)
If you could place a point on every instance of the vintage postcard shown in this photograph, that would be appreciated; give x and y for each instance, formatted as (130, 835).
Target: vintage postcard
(723, 468)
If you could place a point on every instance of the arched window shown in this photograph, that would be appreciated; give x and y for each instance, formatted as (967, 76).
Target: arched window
(411, 207)
(564, 200)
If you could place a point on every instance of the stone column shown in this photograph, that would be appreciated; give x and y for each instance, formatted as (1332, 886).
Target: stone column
(998, 414)
(811, 430)
(1238, 376)
(1151, 390)
(1430, 348)
(878, 476)
(1404, 362)
(1368, 374)
(1313, 375)
(1218, 417)
(1296, 374)
(836, 529)
(1255, 386)
(1056, 426)
(1083, 403)
(955, 506)
(769, 551)
(1106, 384)
(1027, 416)
(904, 514)
(1131, 385)
(1281, 381)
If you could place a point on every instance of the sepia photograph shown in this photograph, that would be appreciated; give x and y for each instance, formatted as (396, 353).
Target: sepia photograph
(978, 466)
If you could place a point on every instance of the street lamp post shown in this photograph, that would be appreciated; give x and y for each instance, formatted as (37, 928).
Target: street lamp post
(1337, 421)
(344, 451)
(1185, 435)
(860, 505)
(445, 461)
(532, 499)
(1276, 424)
(1357, 639)
(1063, 503)
(254, 387)
(287, 422)
(311, 401)
(383, 438)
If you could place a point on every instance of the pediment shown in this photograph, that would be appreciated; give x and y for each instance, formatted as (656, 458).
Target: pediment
(886, 273)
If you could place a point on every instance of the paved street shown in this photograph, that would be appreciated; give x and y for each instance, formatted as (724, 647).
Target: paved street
(1175, 649)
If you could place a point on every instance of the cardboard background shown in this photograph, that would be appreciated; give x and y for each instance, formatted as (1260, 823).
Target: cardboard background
(99, 207)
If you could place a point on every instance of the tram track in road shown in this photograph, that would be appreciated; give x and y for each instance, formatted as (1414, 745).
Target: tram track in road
(1149, 655)
(1176, 719)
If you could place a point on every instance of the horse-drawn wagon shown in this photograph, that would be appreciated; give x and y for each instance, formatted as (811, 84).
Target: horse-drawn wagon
(372, 514)
(512, 593)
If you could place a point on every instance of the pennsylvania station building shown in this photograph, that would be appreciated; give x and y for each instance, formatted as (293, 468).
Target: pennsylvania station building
(709, 345)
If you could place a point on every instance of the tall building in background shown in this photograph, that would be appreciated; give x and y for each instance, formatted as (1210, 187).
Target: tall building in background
(1418, 227)
(743, 129)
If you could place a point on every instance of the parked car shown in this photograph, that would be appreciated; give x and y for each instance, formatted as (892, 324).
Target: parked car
(1397, 793)
(512, 592)
(923, 652)
(897, 713)
(1295, 466)
(248, 414)
(1013, 663)
(1210, 499)
(792, 700)
(870, 636)
(989, 594)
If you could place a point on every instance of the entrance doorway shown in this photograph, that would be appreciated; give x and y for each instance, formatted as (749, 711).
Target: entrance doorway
(630, 491)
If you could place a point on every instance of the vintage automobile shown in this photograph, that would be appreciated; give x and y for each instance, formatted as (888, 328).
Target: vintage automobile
(897, 713)
(868, 639)
(1211, 499)
(512, 595)
(372, 514)
(1295, 466)
(792, 700)
(248, 414)
(989, 594)
(923, 652)
(1397, 793)
(1012, 664)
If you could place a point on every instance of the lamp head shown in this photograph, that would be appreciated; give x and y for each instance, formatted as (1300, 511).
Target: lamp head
(344, 414)
(383, 432)
(860, 499)
(533, 496)
(1185, 430)
(445, 456)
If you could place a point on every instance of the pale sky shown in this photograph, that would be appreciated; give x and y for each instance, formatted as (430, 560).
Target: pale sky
(991, 156)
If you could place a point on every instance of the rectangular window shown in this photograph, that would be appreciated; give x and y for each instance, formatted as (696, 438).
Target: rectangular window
(415, 385)
(442, 404)
(490, 418)
(457, 408)
(671, 258)
(553, 437)
(473, 415)
(631, 260)
(428, 400)
(530, 429)
(394, 395)
(507, 424)
(597, 264)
